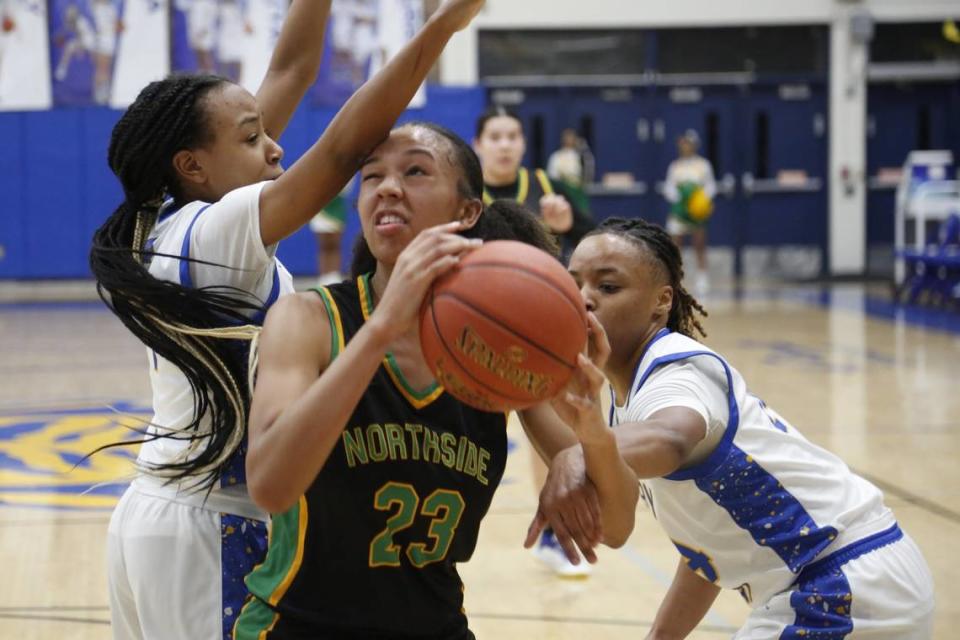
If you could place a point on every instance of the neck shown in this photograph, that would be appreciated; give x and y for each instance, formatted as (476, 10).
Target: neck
(379, 281)
(500, 179)
(620, 371)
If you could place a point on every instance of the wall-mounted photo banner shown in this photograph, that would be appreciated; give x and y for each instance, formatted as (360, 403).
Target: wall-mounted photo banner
(84, 35)
(24, 55)
(361, 37)
(143, 50)
(233, 38)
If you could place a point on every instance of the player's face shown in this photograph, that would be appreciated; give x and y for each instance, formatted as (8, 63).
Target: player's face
(241, 153)
(622, 285)
(408, 184)
(685, 148)
(501, 147)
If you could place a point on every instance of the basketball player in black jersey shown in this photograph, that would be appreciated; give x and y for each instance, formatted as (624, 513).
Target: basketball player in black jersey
(378, 479)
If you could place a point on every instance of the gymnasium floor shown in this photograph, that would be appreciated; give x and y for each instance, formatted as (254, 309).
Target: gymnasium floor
(864, 381)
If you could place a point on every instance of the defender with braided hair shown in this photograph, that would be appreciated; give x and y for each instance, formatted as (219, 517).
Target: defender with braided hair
(749, 503)
(187, 262)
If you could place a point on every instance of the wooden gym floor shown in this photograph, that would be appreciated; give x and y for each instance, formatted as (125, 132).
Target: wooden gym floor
(881, 392)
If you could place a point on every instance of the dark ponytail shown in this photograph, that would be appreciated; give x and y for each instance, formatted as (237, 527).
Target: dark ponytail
(683, 314)
(491, 112)
(502, 220)
(194, 329)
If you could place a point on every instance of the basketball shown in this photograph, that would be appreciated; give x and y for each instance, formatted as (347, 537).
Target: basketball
(699, 206)
(502, 332)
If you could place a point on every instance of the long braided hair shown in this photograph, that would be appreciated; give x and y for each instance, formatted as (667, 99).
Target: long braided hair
(502, 220)
(683, 314)
(197, 330)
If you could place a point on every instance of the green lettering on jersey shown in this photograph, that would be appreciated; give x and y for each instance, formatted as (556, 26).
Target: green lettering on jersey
(461, 451)
(431, 446)
(376, 443)
(470, 465)
(395, 443)
(355, 447)
(482, 466)
(447, 443)
(414, 430)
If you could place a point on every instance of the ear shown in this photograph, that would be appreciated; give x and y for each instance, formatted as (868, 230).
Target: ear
(188, 168)
(470, 212)
(664, 302)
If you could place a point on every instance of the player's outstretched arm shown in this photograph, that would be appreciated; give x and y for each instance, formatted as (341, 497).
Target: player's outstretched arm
(564, 502)
(686, 603)
(294, 64)
(364, 121)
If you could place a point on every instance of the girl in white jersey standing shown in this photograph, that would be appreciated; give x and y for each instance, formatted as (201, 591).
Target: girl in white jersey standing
(187, 263)
(749, 503)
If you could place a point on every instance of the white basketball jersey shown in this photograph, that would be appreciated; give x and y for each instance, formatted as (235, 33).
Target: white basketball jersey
(225, 234)
(766, 502)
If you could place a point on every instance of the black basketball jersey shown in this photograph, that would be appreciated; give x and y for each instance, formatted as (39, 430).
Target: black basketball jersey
(370, 551)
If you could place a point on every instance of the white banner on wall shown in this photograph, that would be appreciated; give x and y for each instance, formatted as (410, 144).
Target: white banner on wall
(399, 21)
(24, 56)
(259, 40)
(363, 35)
(143, 53)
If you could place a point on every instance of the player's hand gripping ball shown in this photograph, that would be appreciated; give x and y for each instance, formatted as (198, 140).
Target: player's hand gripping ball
(502, 331)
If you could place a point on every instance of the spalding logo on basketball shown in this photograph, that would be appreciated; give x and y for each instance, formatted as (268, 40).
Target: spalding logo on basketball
(502, 332)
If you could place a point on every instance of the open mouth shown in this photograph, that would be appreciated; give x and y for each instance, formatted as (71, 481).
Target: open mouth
(388, 218)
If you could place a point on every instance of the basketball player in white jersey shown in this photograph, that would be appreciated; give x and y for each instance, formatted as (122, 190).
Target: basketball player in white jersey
(749, 503)
(187, 262)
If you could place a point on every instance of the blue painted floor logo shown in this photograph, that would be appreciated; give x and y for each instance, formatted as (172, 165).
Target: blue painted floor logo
(43, 463)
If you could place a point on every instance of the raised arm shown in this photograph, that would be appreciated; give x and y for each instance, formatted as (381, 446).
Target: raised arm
(366, 119)
(294, 64)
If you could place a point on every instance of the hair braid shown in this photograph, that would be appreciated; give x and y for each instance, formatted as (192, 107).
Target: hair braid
(683, 314)
(197, 330)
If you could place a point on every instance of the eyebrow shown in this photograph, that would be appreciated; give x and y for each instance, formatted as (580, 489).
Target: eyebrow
(408, 152)
(600, 271)
(248, 120)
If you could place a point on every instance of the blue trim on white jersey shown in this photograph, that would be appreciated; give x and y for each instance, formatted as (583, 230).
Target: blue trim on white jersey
(168, 212)
(720, 453)
(762, 506)
(185, 279)
(755, 500)
(613, 394)
(260, 316)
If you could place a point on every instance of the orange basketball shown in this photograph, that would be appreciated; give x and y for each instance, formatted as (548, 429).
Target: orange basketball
(502, 331)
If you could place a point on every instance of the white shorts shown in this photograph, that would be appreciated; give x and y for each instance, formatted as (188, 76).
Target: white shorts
(677, 227)
(175, 570)
(884, 594)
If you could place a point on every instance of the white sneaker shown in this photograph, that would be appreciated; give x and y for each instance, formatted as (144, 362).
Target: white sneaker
(550, 553)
